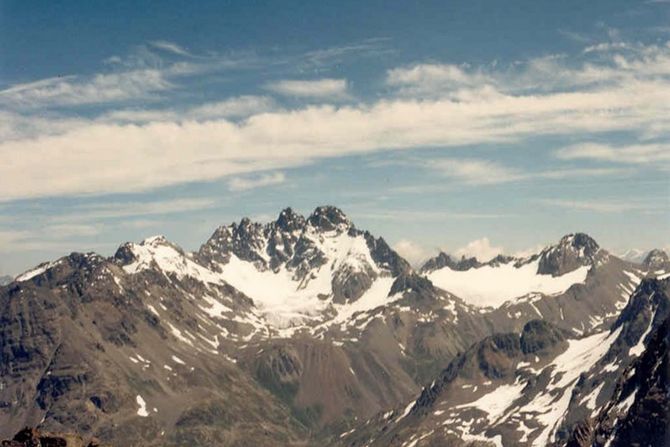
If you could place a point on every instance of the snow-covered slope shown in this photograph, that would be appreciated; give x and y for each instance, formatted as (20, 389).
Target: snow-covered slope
(298, 272)
(529, 389)
(552, 271)
(494, 285)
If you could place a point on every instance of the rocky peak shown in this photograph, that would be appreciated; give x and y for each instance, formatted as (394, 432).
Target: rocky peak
(444, 260)
(329, 218)
(571, 252)
(127, 253)
(290, 221)
(539, 336)
(656, 259)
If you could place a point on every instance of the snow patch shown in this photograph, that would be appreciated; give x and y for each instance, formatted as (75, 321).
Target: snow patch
(142, 411)
(491, 286)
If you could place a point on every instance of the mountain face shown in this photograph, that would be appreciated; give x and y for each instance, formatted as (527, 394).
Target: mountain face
(656, 260)
(295, 331)
(4, 280)
(541, 387)
(637, 412)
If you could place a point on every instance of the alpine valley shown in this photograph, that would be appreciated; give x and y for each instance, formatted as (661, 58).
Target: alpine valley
(307, 331)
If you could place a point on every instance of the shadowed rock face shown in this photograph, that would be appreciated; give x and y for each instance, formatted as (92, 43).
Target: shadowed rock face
(656, 259)
(32, 437)
(571, 252)
(444, 260)
(538, 336)
(638, 411)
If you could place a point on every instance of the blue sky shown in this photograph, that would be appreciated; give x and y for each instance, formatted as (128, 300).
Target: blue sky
(473, 127)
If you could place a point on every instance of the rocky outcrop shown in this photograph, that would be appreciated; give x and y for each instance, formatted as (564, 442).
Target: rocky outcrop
(33, 437)
(656, 260)
(571, 252)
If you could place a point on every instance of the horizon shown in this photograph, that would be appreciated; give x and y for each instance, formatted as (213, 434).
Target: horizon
(480, 250)
(462, 127)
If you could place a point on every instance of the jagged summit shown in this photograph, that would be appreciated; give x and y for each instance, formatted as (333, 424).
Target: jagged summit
(571, 252)
(329, 218)
(289, 220)
(552, 270)
(656, 259)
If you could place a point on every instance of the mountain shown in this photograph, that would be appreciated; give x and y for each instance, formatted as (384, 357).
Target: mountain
(638, 413)
(574, 284)
(4, 280)
(657, 261)
(541, 387)
(282, 333)
(633, 255)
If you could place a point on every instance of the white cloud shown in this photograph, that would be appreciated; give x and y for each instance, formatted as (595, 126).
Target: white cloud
(231, 108)
(528, 251)
(320, 88)
(475, 171)
(480, 249)
(72, 90)
(632, 154)
(602, 206)
(413, 252)
(115, 210)
(243, 184)
(483, 172)
(104, 157)
(435, 79)
(170, 47)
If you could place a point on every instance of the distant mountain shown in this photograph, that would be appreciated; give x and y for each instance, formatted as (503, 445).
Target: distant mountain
(290, 332)
(656, 261)
(633, 255)
(4, 280)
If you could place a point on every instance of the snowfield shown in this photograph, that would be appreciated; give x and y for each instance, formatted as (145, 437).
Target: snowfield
(284, 300)
(490, 286)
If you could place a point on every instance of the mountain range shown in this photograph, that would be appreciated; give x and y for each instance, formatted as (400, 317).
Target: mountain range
(310, 331)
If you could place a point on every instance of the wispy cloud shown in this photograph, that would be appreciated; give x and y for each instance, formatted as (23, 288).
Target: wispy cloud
(627, 93)
(435, 79)
(243, 184)
(319, 88)
(473, 171)
(629, 154)
(74, 90)
(603, 206)
(231, 108)
(139, 75)
(403, 215)
(124, 209)
(484, 172)
(327, 56)
(170, 47)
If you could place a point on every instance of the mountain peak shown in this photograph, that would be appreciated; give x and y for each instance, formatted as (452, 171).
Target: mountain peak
(289, 220)
(444, 260)
(156, 240)
(329, 218)
(571, 252)
(579, 241)
(656, 259)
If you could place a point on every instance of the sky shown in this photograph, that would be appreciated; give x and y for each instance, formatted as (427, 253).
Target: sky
(474, 127)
